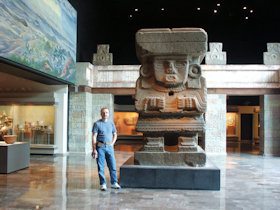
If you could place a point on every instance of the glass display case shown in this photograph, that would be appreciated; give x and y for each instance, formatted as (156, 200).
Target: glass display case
(126, 123)
(231, 124)
(31, 123)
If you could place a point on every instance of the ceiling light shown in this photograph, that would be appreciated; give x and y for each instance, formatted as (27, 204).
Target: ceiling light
(246, 18)
(130, 16)
(136, 10)
(218, 4)
(244, 7)
(198, 8)
(251, 11)
(215, 11)
(162, 9)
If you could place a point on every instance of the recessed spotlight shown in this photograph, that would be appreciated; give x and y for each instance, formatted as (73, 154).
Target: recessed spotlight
(244, 7)
(218, 4)
(246, 18)
(136, 10)
(198, 8)
(162, 9)
(251, 11)
(130, 16)
(215, 11)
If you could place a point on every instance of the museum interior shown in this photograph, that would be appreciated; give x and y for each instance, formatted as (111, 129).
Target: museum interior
(61, 61)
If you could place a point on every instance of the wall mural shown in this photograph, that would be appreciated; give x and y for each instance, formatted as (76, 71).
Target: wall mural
(40, 34)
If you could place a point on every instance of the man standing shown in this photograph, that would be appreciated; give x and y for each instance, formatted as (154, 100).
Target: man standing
(104, 136)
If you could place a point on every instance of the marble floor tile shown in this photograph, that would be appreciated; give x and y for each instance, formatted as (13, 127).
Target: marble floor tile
(71, 182)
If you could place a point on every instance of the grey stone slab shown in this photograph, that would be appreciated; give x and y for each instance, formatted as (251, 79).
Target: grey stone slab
(169, 177)
(14, 157)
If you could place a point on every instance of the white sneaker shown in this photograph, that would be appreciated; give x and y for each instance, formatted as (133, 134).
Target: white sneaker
(116, 186)
(103, 187)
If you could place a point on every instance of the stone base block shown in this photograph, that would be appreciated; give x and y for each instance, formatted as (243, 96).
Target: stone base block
(40, 149)
(14, 157)
(169, 177)
(191, 158)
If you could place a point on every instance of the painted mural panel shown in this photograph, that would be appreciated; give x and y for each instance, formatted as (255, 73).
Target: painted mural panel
(40, 34)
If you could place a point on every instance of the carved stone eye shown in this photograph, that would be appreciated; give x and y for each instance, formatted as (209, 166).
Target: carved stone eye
(194, 71)
(180, 64)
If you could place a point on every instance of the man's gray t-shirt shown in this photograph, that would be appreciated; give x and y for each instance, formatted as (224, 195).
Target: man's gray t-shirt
(104, 130)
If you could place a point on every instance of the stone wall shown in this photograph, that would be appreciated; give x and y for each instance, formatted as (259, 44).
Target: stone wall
(215, 117)
(270, 125)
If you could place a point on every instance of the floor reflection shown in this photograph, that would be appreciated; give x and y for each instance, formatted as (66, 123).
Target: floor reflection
(71, 182)
(243, 147)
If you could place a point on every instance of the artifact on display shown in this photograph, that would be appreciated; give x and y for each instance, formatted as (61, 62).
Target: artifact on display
(171, 95)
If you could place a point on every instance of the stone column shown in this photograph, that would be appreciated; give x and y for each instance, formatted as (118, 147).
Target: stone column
(270, 125)
(215, 134)
(99, 101)
(60, 123)
(84, 110)
(80, 122)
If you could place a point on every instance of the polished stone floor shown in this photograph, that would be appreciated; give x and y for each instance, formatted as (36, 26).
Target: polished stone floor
(248, 181)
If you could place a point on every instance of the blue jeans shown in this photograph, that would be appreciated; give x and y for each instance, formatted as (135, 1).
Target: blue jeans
(106, 152)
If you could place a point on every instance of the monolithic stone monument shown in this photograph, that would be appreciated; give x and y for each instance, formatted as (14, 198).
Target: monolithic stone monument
(171, 101)
(171, 95)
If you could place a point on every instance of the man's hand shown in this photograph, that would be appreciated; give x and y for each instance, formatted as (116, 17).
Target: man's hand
(94, 154)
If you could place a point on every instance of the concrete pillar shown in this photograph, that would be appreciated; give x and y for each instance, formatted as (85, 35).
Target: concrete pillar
(60, 123)
(215, 117)
(270, 125)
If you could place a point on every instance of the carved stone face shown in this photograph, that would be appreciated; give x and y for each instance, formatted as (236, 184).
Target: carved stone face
(171, 71)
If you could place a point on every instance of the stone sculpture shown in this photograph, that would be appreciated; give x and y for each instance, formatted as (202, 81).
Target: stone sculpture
(102, 57)
(272, 56)
(216, 56)
(171, 95)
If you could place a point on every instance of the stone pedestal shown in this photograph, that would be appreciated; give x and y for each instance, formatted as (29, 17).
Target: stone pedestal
(270, 125)
(14, 157)
(170, 177)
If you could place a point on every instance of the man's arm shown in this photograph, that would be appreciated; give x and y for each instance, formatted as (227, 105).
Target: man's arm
(94, 151)
(114, 139)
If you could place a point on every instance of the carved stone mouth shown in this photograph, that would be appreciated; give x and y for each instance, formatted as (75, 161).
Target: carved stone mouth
(170, 77)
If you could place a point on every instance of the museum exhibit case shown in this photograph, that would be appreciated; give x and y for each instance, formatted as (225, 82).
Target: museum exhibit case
(30, 123)
(126, 123)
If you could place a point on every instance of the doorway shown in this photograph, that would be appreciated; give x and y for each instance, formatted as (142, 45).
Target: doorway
(246, 127)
